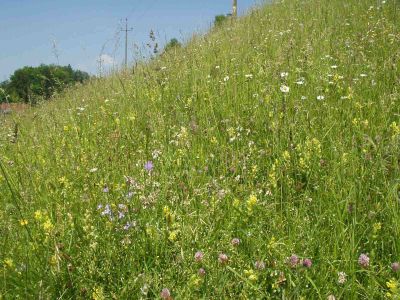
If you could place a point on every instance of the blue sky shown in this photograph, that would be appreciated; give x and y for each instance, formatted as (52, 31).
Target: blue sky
(30, 30)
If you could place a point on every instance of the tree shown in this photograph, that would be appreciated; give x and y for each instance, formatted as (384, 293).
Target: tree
(219, 20)
(172, 44)
(30, 84)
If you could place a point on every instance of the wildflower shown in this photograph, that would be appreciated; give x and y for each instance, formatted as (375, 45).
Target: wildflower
(251, 202)
(293, 261)
(248, 76)
(363, 260)
(259, 265)
(165, 294)
(300, 82)
(201, 272)
(38, 215)
(198, 256)
(107, 210)
(106, 189)
(342, 277)
(250, 275)
(23, 222)
(393, 287)
(173, 235)
(98, 294)
(226, 78)
(284, 74)
(48, 226)
(235, 242)
(223, 258)
(320, 97)
(128, 225)
(284, 89)
(8, 262)
(303, 98)
(307, 263)
(148, 166)
(395, 267)
(93, 170)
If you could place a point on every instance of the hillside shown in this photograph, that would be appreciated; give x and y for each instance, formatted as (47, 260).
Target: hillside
(260, 161)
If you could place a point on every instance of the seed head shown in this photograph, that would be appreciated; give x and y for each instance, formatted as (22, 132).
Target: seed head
(307, 263)
(198, 256)
(395, 267)
(363, 260)
(223, 258)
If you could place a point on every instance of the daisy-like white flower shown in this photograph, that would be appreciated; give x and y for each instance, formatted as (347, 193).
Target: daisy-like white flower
(284, 89)
(284, 74)
(249, 76)
(320, 97)
(226, 78)
(300, 82)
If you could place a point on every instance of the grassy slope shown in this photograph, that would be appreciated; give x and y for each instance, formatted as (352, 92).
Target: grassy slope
(325, 173)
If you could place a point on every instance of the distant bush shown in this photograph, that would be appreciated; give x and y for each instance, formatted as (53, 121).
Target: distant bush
(219, 20)
(173, 43)
(29, 84)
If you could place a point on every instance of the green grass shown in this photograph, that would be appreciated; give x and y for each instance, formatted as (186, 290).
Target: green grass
(234, 157)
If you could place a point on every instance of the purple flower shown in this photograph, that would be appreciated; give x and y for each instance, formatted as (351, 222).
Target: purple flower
(121, 215)
(223, 258)
(202, 272)
(395, 267)
(100, 206)
(307, 263)
(363, 260)
(165, 294)
(127, 226)
(107, 211)
(198, 256)
(148, 166)
(293, 261)
(259, 265)
(106, 189)
(235, 242)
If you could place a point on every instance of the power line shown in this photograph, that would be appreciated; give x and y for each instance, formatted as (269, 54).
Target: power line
(126, 41)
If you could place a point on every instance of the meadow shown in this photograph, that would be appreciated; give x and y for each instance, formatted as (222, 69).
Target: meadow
(259, 161)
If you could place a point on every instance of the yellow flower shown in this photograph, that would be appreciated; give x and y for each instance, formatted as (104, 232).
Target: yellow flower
(38, 215)
(23, 222)
(98, 294)
(9, 263)
(236, 203)
(173, 235)
(48, 226)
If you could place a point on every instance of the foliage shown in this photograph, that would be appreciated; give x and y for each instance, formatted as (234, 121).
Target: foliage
(172, 44)
(219, 20)
(29, 84)
(260, 161)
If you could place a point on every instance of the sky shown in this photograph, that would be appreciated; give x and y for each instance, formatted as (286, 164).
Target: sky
(79, 32)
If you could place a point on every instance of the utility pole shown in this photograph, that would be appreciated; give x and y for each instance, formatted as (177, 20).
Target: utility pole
(126, 41)
(234, 9)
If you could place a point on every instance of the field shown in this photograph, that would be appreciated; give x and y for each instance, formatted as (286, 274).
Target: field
(260, 161)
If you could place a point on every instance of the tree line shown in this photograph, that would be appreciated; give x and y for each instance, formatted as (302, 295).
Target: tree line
(32, 84)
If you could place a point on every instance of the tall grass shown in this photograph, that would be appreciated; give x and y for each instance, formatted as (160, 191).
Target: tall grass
(269, 146)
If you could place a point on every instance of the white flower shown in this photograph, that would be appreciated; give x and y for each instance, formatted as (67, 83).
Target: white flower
(284, 89)
(93, 170)
(320, 97)
(334, 67)
(303, 98)
(248, 76)
(300, 82)
(342, 277)
(284, 74)
(226, 78)
(363, 75)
